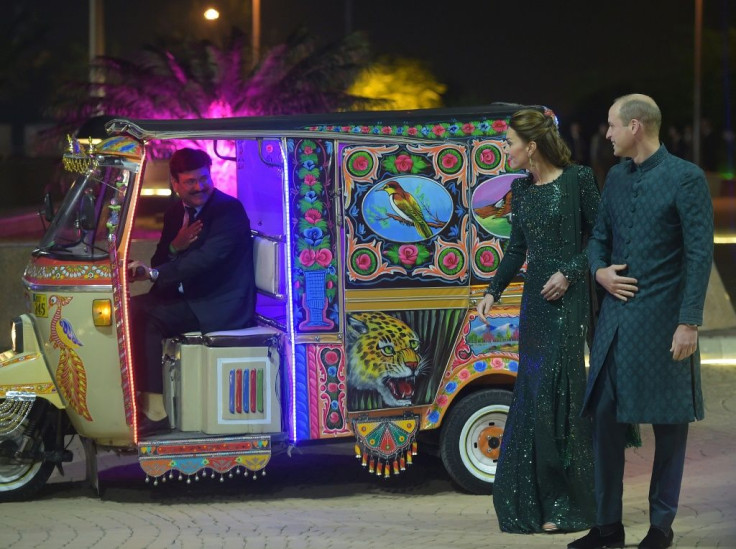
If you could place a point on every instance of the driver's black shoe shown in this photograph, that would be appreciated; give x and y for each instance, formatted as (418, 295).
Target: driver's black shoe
(595, 539)
(148, 427)
(657, 539)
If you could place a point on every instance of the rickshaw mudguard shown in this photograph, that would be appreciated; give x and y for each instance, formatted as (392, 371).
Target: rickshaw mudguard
(26, 370)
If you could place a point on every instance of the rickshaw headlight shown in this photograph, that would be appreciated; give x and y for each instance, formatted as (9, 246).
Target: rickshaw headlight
(16, 335)
(102, 312)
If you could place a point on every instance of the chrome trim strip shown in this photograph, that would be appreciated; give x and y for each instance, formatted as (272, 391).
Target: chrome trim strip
(86, 288)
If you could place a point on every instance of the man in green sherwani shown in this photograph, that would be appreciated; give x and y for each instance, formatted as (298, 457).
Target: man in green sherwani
(651, 250)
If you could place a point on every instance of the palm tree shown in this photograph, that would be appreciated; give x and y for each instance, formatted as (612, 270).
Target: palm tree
(200, 80)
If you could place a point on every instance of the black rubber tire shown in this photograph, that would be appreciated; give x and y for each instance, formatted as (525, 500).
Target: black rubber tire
(472, 470)
(21, 482)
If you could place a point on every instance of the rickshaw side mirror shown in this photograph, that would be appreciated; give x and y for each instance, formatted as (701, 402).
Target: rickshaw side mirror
(48, 208)
(87, 221)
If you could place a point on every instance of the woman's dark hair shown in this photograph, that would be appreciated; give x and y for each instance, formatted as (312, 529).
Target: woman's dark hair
(186, 160)
(532, 125)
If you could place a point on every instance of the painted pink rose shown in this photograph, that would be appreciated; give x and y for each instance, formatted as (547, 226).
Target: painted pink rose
(331, 357)
(313, 216)
(464, 374)
(309, 179)
(332, 387)
(330, 284)
(487, 156)
(297, 284)
(363, 261)
(386, 130)
(360, 163)
(307, 257)
(468, 128)
(365, 129)
(269, 148)
(404, 163)
(497, 364)
(324, 257)
(442, 400)
(408, 254)
(308, 150)
(450, 260)
(438, 130)
(499, 125)
(449, 161)
(334, 417)
(345, 128)
(486, 258)
(412, 131)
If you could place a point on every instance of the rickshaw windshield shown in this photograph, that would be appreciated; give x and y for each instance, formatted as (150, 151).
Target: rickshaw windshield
(89, 213)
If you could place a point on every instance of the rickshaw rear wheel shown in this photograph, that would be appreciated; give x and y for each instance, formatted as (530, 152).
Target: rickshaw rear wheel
(20, 480)
(470, 441)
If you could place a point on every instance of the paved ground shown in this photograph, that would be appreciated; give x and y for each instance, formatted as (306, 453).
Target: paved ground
(322, 499)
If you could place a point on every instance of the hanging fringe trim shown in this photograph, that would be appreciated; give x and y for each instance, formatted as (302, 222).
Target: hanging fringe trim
(386, 445)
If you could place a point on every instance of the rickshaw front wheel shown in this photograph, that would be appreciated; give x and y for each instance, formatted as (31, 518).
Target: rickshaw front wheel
(470, 442)
(21, 478)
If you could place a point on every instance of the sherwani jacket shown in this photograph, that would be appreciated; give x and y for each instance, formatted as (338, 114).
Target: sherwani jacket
(216, 271)
(657, 218)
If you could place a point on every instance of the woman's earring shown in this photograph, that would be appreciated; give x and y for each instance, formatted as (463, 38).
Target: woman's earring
(531, 162)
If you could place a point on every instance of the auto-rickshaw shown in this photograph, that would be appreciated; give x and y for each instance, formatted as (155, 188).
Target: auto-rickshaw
(367, 329)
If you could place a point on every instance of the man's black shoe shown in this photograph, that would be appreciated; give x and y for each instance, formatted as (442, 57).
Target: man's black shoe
(148, 427)
(657, 539)
(596, 540)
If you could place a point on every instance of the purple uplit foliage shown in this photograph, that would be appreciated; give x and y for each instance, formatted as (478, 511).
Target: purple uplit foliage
(201, 80)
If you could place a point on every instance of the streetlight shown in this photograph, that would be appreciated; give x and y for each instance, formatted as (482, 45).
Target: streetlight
(211, 14)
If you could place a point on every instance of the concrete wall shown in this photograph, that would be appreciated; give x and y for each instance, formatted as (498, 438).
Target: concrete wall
(13, 259)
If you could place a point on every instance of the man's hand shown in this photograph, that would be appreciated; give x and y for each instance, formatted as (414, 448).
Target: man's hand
(684, 342)
(484, 307)
(137, 270)
(620, 287)
(186, 236)
(555, 287)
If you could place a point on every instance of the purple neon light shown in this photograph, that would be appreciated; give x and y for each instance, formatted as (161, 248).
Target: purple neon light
(289, 286)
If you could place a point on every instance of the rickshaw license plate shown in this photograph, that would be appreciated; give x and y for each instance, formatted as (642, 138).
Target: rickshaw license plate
(39, 305)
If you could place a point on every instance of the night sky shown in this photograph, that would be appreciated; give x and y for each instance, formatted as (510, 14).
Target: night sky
(574, 56)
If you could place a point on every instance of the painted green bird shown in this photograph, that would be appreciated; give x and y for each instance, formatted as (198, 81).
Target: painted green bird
(407, 207)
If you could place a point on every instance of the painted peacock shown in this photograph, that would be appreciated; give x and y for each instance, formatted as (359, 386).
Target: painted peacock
(71, 376)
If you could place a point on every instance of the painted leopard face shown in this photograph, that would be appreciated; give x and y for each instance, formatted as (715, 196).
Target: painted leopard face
(383, 356)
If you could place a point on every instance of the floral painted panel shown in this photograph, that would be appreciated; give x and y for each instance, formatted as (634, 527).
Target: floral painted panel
(406, 215)
(313, 235)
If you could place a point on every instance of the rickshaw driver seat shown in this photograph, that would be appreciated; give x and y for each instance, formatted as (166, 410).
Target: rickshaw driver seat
(227, 382)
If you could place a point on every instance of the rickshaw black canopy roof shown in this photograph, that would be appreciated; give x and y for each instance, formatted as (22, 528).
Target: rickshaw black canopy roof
(296, 124)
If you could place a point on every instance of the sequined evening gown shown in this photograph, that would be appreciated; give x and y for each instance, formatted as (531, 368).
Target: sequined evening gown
(545, 470)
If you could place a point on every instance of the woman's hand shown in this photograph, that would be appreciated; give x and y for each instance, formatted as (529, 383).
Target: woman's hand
(484, 307)
(555, 287)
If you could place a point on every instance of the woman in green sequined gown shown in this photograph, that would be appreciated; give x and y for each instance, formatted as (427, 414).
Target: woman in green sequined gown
(544, 478)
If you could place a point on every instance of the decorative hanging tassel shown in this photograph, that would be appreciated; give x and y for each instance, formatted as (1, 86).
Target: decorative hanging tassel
(396, 466)
(372, 466)
(414, 448)
(379, 468)
(402, 463)
(357, 451)
(387, 470)
(364, 460)
(408, 458)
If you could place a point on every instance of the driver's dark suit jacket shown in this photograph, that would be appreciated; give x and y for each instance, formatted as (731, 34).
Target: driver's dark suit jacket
(216, 271)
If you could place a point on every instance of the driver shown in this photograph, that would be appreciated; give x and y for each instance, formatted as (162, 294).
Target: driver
(202, 272)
